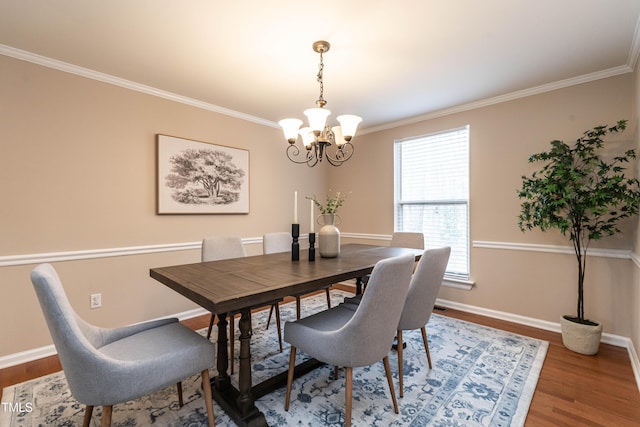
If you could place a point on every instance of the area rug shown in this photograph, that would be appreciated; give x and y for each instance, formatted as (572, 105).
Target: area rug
(480, 377)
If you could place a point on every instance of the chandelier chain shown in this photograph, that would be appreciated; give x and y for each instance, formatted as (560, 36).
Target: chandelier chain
(321, 100)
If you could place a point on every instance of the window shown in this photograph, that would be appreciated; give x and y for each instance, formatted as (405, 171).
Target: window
(432, 192)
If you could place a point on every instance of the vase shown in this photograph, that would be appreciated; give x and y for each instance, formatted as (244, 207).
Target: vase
(329, 237)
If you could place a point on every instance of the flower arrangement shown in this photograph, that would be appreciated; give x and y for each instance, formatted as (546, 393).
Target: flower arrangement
(332, 203)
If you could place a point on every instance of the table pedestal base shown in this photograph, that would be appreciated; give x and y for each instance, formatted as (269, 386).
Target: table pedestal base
(227, 396)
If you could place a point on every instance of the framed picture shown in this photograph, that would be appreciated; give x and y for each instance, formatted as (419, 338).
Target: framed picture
(201, 178)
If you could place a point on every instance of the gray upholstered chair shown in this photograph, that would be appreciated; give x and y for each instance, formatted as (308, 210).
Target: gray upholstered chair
(402, 239)
(406, 239)
(344, 337)
(421, 298)
(227, 247)
(281, 242)
(105, 367)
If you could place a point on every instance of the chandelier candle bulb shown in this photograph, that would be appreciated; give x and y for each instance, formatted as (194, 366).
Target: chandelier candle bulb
(348, 125)
(290, 128)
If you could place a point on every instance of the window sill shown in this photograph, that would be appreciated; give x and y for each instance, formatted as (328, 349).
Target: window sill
(458, 283)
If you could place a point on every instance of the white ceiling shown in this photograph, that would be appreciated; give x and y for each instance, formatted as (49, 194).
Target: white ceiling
(390, 61)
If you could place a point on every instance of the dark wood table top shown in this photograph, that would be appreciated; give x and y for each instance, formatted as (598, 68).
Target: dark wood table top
(231, 285)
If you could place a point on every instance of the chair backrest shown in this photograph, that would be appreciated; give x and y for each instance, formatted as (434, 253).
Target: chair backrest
(74, 339)
(276, 242)
(406, 239)
(222, 247)
(370, 331)
(424, 288)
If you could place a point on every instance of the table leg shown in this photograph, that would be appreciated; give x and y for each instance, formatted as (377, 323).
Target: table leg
(245, 400)
(222, 381)
(238, 403)
(358, 285)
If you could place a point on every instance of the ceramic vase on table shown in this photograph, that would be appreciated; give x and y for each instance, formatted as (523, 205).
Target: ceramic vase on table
(329, 237)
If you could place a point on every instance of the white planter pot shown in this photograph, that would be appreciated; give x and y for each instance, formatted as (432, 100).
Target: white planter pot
(583, 339)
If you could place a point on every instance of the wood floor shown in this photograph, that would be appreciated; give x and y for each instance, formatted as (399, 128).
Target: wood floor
(573, 390)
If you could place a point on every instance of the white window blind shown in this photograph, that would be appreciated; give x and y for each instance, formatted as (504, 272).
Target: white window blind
(432, 192)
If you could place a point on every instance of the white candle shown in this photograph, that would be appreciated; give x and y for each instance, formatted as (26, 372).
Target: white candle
(311, 218)
(295, 207)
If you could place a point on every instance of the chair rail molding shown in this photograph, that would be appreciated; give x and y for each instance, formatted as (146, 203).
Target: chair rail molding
(532, 247)
(636, 259)
(37, 258)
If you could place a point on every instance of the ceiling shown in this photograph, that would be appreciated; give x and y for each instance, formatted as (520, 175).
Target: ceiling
(389, 62)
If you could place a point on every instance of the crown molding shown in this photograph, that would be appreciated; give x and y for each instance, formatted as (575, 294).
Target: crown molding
(634, 51)
(632, 58)
(585, 78)
(127, 84)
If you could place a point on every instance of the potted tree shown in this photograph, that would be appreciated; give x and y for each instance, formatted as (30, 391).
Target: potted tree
(584, 196)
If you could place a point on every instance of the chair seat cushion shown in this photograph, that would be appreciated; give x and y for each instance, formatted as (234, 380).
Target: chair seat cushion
(151, 360)
(313, 335)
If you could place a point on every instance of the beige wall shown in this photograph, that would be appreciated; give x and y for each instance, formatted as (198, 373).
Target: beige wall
(503, 136)
(78, 173)
(635, 294)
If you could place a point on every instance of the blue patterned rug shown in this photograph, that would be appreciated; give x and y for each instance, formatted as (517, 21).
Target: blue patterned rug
(481, 377)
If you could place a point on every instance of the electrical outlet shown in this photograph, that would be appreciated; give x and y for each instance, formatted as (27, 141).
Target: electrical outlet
(96, 300)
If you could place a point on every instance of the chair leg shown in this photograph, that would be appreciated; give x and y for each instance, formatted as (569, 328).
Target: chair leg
(348, 399)
(292, 365)
(336, 372)
(232, 341)
(387, 369)
(328, 298)
(400, 363)
(208, 397)
(426, 345)
(180, 399)
(298, 307)
(270, 314)
(88, 411)
(278, 326)
(213, 317)
(106, 416)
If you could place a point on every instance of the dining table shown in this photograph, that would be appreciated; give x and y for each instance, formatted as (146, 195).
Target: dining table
(237, 285)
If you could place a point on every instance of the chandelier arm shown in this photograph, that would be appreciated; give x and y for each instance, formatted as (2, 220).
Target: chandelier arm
(293, 153)
(343, 154)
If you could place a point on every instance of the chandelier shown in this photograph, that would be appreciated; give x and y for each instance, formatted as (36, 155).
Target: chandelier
(319, 136)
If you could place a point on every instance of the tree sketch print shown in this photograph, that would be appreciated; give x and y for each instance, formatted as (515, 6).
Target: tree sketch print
(204, 176)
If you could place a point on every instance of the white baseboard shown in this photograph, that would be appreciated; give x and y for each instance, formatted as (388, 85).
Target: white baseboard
(27, 356)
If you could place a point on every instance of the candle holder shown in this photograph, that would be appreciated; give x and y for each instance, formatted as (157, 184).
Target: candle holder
(295, 246)
(312, 246)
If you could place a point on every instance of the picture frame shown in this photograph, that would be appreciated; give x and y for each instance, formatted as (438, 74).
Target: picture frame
(196, 178)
